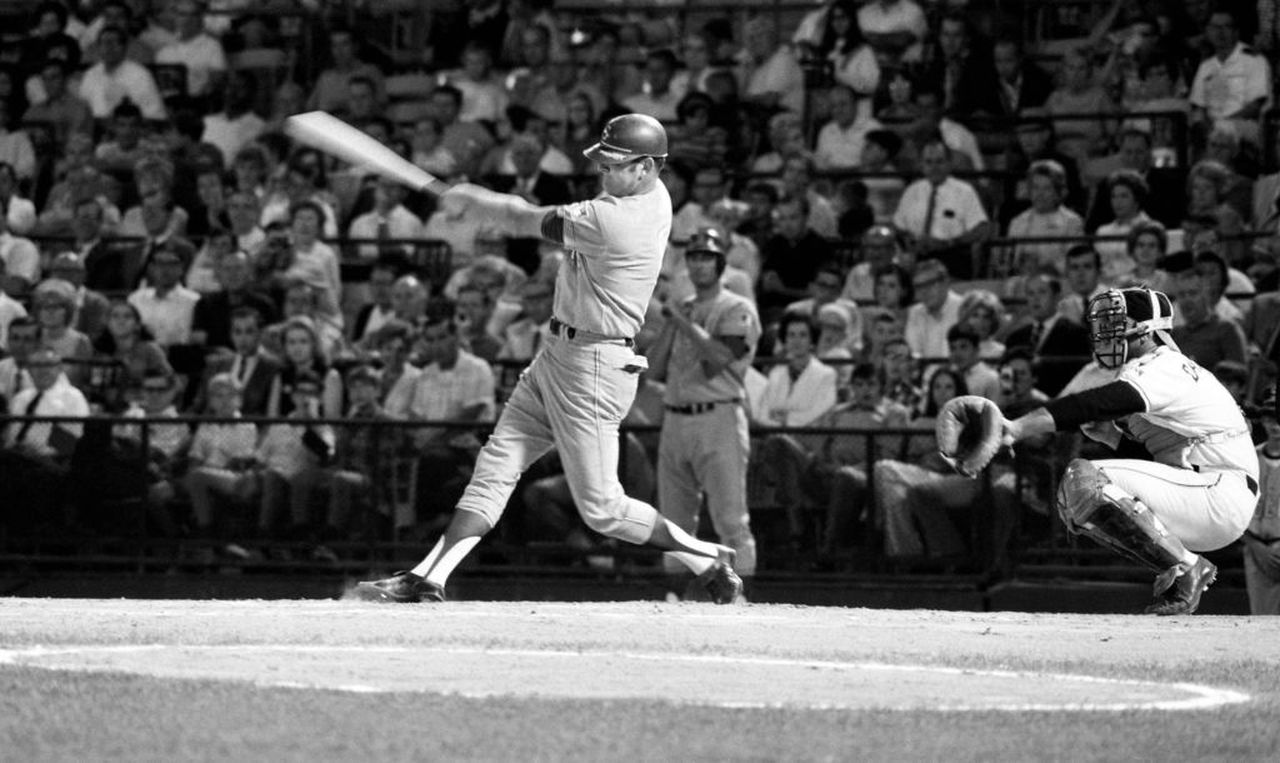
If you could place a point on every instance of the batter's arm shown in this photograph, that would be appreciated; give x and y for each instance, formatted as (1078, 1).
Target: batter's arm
(511, 214)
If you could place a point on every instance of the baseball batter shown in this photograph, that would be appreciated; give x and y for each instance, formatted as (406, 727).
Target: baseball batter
(1200, 491)
(703, 353)
(580, 385)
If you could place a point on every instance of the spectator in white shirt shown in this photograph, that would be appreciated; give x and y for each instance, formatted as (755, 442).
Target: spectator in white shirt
(236, 125)
(770, 76)
(389, 219)
(937, 310)
(166, 306)
(840, 141)
(943, 213)
(802, 389)
(19, 260)
(115, 78)
(19, 213)
(15, 147)
(195, 49)
(1235, 82)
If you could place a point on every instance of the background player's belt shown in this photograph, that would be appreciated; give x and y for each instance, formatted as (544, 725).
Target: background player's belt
(696, 408)
(560, 328)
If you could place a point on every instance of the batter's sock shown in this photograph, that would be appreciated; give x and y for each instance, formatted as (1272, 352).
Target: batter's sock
(426, 564)
(450, 558)
(691, 545)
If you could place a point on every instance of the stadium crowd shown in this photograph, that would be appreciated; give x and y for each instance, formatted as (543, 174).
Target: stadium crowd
(919, 201)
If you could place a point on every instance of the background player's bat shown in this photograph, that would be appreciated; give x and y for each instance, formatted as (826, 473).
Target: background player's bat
(331, 135)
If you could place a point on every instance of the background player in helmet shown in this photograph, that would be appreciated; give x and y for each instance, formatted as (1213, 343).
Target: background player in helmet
(1199, 493)
(580, 385)
(703, 353)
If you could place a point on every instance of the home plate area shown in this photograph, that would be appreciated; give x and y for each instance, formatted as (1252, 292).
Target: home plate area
(705, 680)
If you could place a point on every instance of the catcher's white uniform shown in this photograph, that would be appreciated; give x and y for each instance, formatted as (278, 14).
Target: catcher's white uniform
(1204, 480)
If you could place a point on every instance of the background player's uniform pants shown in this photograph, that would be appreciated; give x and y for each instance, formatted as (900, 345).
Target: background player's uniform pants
(573, 395)
(708, 452)
(1204, 510)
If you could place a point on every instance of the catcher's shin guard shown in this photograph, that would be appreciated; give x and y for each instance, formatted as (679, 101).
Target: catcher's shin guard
(1091, 505)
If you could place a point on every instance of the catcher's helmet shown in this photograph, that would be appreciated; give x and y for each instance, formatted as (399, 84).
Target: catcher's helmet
(709, 240)
(1117, 316)
(628, 137)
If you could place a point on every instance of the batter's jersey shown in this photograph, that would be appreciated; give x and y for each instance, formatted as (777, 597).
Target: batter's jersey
(1191, 420)
(614, 254)
(727, 315)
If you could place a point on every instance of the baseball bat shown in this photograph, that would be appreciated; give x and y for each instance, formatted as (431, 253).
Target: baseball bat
(325, 132)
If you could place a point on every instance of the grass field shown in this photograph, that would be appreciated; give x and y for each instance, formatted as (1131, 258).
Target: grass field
(331, 680)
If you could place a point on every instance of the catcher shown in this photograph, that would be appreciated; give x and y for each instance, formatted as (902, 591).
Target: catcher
(1199, 492)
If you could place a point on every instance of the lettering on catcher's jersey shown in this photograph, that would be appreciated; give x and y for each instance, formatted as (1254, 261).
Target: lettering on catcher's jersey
(1190, 418)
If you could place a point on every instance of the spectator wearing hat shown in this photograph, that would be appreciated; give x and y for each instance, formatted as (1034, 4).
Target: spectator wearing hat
(166, 306)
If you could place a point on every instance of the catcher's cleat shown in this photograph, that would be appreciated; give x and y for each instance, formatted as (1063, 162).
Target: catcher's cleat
(401, 588)
(1180, 589)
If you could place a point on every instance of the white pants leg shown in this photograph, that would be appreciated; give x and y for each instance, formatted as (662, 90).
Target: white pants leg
(1204, 510)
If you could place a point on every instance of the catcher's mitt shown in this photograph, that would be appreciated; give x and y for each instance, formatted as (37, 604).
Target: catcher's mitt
(970, 431)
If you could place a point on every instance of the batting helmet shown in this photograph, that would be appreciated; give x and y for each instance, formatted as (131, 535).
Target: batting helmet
(709, 240)
(628, 137)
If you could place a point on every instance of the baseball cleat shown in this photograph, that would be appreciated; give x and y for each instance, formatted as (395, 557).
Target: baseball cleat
(1180, 593)
(403, 587)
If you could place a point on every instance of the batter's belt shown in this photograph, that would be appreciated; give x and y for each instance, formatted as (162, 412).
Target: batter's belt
(559, 328)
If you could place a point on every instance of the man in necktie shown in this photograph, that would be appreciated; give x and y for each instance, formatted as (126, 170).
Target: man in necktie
(943, 213)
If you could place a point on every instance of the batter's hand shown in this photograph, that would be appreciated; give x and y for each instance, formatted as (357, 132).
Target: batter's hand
(458, 199)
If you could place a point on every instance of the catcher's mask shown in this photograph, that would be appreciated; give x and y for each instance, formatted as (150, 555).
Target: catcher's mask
(1118, 316)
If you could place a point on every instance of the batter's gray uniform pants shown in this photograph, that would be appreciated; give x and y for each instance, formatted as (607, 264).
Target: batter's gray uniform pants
(573, 395)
